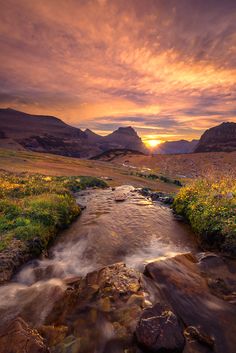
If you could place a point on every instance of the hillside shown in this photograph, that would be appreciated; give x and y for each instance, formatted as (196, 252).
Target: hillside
(221, 138)
(182, 166)
(39, 133)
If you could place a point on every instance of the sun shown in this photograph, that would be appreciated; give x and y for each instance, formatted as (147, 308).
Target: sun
(153, 143)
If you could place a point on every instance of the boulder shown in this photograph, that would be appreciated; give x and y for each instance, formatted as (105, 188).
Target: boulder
(109, 300)
(159, 330)
(200, 291)
(18, 337)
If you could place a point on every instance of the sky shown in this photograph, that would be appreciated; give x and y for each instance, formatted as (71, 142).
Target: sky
(166, 67)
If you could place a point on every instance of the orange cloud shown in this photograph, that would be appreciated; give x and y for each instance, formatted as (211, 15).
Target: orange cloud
(102, 63)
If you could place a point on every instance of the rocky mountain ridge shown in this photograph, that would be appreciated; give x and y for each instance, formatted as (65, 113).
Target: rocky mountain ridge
(49, 134)
(221, 138)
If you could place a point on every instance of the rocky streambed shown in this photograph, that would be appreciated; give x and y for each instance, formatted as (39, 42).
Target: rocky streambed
(126, 277)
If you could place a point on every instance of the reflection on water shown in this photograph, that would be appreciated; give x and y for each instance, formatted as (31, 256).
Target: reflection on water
(134, 231)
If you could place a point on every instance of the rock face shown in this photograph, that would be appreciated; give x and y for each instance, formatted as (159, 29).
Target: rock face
(51, 135)
(221, 138)
(184, 303)
(125, 137)
(12, 258)
(159, 330)
(97, 313)
(176, 147)
(18, 337)
(207, 312)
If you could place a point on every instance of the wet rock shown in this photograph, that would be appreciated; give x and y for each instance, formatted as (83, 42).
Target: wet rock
(18, 337)
(110, 300)
(183, 282)
(192, 332)
(220, 275)
(156, 196)
(71, 344)
(11, 258)
(168, 200)
(159, 330)
(120, 198)
(53, 334)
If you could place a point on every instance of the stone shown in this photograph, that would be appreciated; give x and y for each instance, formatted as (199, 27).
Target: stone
(191, 286)
(159, 330)
(53, 334)
(192, 332)
(18, 337)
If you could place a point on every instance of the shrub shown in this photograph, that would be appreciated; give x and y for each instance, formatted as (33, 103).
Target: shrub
(210, 206)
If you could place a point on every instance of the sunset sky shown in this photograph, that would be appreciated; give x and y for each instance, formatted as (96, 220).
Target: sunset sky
(166, 67)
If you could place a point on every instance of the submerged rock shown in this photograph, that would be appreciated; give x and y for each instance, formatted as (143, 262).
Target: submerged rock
(109, 300)
(194, 333)
(120, 198)
(18, 337)
(156, 196)
(159, 330)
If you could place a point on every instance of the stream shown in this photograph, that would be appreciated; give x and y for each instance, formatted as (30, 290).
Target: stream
(135, 231)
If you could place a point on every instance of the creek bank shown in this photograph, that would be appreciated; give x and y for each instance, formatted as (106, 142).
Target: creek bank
(33, 210)
(184, 303)
(162, 197)
(209, 205)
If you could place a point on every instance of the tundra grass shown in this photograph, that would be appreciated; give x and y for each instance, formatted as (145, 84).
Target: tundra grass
(33, 208)
(209, 204)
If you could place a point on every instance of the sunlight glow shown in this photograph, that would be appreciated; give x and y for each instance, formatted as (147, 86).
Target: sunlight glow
(152, 143)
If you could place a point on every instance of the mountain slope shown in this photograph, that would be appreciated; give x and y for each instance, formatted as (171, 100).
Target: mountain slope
(49, 134)
(221, 138)
(92, 136)
(42, 133)
(175, 147)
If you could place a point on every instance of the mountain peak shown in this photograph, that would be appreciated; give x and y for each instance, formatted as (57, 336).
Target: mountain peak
(127, 130)
(218, 138)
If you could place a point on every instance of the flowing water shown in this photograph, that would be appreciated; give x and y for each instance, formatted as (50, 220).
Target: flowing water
(135, 231)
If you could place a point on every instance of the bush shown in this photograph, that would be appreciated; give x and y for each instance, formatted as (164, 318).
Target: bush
(210, 207)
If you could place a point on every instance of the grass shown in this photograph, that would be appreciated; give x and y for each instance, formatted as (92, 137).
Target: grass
(33, 208)
(54, 165)
(209, 204)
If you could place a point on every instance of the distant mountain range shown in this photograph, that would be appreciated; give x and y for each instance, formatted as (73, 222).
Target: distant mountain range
(175, 147)
(49, 134)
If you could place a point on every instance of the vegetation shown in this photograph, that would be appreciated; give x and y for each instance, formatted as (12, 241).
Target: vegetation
(34, 207)
(159, 177)
(209, 205)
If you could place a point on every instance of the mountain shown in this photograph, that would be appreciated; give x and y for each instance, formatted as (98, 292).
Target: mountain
(92, 136)
(42, 134)
(221, 138)
(175, 147)
(49, 134)
(124, 137)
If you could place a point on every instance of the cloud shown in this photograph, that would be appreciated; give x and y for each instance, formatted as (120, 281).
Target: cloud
(165, 66)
